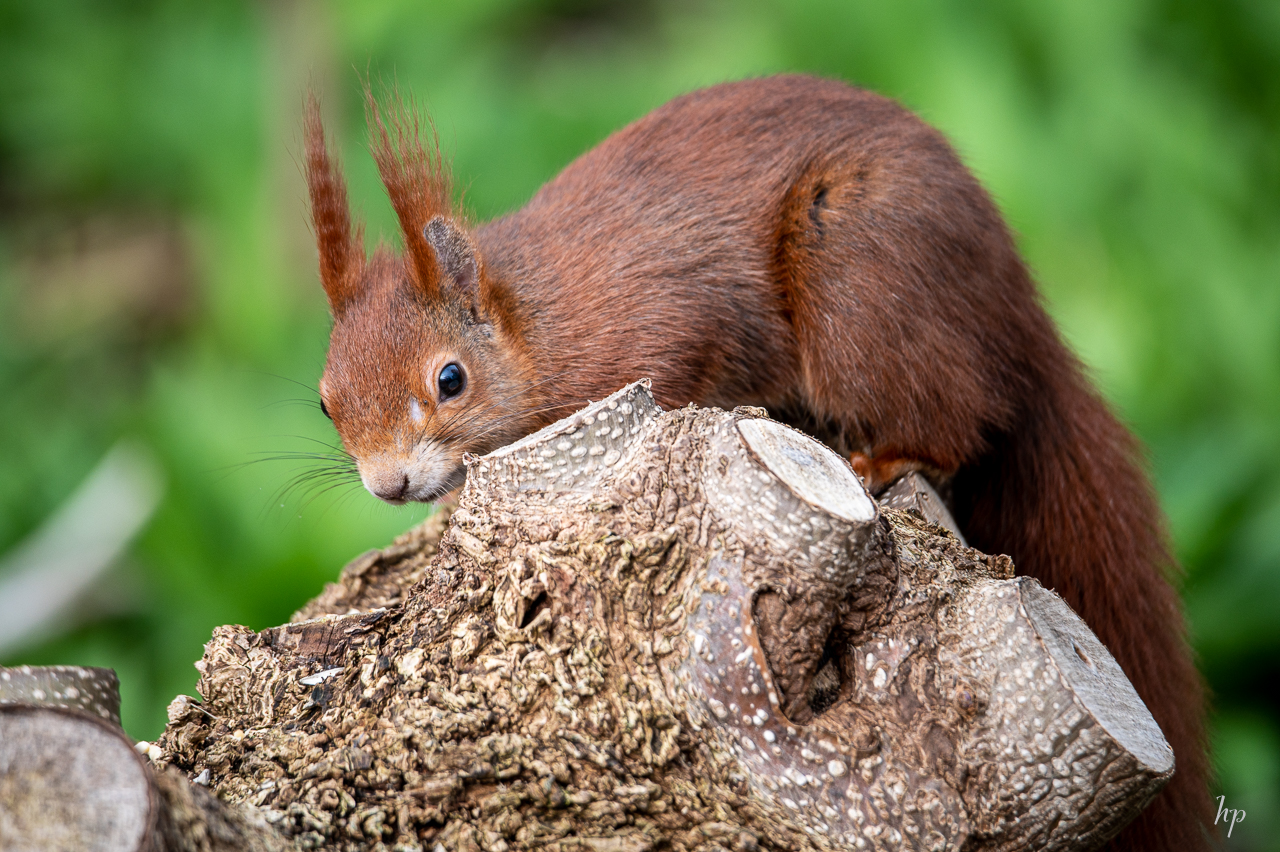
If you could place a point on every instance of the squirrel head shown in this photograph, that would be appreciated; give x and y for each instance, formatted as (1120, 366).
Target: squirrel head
(424, 358)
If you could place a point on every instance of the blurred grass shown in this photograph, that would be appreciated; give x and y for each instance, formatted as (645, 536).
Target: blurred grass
(157, 278)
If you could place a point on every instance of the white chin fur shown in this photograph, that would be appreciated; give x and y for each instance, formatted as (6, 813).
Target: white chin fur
(429, 492)
(431, 470)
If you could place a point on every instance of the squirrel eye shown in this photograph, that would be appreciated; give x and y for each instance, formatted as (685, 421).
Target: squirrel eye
(324, 409)
(451, 381)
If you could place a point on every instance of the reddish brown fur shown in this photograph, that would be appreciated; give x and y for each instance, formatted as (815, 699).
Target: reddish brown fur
(802, 245)
(341, 255)
(418, 183)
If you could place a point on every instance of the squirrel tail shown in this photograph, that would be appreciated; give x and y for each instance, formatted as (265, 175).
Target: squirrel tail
(1064, 494)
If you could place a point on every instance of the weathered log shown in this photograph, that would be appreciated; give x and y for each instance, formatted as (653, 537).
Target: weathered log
(70, 781)
(90, 689)
(688, 629)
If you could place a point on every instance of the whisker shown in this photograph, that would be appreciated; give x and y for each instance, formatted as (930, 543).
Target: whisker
(335, 447)
(303, 385)
(324, 470)
(309, 403)
(489, 405)
(483, 410)
(309, 486)
(498, 425)
(288, 455)
(503, 421)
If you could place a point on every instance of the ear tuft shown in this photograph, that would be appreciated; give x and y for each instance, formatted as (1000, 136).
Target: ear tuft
(341, 254)
(416, 176)
(455, 255)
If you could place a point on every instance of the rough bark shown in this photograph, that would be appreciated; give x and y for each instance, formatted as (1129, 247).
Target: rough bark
(95, 691)
(71, 781)
(687, 630)
(641, 630)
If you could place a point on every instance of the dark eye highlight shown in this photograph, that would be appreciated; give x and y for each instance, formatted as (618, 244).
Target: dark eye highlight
(324, 409)
(451, 381)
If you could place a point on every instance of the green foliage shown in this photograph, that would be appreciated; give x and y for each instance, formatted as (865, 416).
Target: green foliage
(1131, 145)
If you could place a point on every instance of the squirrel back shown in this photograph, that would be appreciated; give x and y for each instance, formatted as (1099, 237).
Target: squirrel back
(791, 243)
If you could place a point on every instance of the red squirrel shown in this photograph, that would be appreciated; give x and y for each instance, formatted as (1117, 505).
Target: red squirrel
(792, 243)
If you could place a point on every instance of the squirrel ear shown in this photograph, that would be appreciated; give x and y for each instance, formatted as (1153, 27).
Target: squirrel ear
(341, 255)
(455, 255)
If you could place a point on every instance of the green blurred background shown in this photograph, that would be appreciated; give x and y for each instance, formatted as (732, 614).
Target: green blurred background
(158, 281)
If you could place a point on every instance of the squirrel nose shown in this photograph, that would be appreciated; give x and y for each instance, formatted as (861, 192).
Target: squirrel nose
(389, 491)
(389, 485)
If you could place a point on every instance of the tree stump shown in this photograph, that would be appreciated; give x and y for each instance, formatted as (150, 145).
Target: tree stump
(70, 781)
(690, 629)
